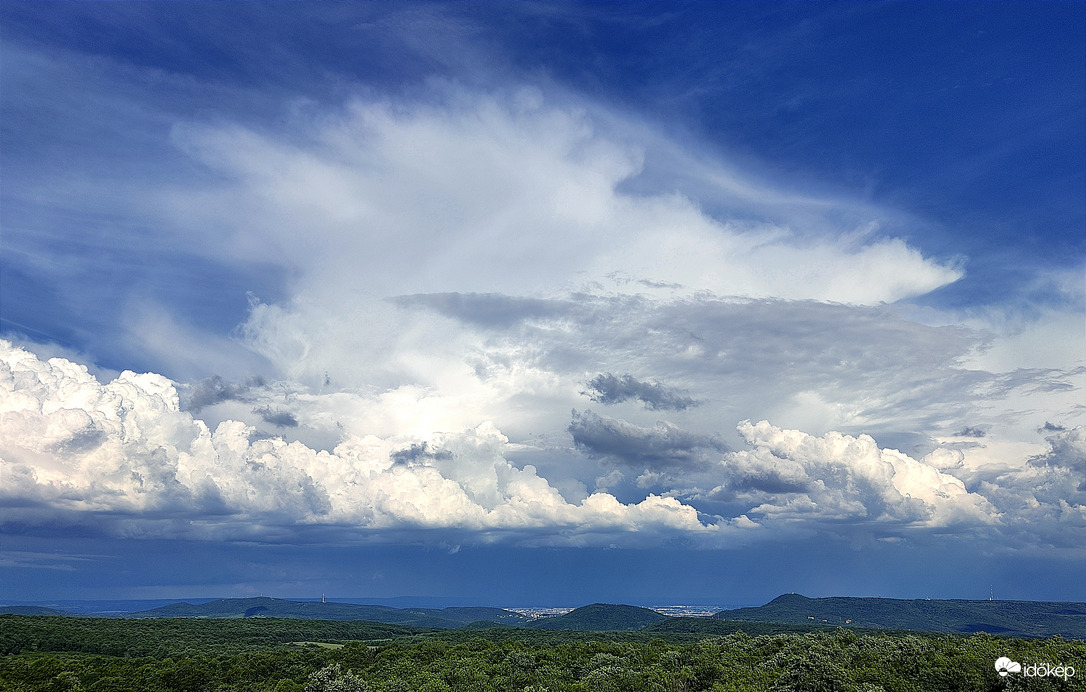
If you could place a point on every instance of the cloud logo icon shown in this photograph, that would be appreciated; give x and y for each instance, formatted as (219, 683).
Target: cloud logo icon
(1004, 665)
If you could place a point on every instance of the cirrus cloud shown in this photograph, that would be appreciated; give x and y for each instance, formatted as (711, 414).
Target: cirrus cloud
(514, 192)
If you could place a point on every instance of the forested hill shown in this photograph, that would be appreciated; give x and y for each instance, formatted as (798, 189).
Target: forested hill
(790, 612)
(47, 654)
(1013, 618)
(31, 610)
(601, 617)
(446, 618)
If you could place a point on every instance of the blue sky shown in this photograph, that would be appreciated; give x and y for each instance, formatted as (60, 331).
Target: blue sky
(543, 302)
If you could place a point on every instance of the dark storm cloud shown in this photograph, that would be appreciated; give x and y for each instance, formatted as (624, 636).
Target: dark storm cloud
(1045, 498)
(767, 481)
(663, 444)
(898, 375)
(87, 438)
(903, 375)
(492, 310)
(607, 388)
(1067, 451)
(277, 417)
(215, 390)
(418, 454)
(658, 284)
(970, 432)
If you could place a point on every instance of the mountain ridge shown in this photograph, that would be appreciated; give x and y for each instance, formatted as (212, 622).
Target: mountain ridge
(794, 612)
(263, 606)
(950, 616)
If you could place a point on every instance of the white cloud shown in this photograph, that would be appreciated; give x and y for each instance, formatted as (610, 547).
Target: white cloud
(793, 476)
(503, 193)
(447, 361)
(1045, 499)
(481, 257)
(809, 365)
(497, 193)
(531, 196)
(73, 444)
(125, 458)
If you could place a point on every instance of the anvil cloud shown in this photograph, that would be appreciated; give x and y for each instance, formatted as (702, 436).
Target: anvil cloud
(437, 298)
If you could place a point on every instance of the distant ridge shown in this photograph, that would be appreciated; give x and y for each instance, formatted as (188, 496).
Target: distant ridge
(786, 613)
(600, 617)
(31, 610)
(1011, 618)
(444, 618)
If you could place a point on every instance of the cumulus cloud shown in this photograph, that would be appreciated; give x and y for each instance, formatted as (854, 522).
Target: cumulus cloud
(793, 476)
(446, 362)
(126, 449)
(1045, 499)
(607, 388)
(124, 458)
(1067, 450)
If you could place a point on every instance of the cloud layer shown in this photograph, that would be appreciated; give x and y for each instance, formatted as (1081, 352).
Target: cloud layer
(124, 459)
(520, 315)
(126, 456)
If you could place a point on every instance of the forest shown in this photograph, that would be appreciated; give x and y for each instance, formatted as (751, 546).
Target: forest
(282, 655)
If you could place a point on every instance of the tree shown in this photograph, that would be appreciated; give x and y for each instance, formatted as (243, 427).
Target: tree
(814, 672)
(331, 678)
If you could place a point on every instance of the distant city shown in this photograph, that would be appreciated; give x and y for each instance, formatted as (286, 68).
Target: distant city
(690, 611)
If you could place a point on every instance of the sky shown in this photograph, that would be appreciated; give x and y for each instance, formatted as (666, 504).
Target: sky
(543, 303)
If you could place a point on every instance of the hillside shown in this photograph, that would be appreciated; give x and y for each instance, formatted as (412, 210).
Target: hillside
(1011, 618)
(45, 654)
(165, 637)
(711, 626)
(601, 617)
(446, 618)
(31, 610)
(787, 613)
